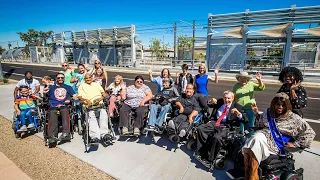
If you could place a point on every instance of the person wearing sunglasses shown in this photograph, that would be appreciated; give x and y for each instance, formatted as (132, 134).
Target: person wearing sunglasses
(99, 74)
(162, 101)
(28, 81)
(136, 96)
(59, 95)
(68, 74)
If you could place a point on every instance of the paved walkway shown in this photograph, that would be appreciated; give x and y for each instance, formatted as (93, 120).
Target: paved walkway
(144, 158)
(9, 171)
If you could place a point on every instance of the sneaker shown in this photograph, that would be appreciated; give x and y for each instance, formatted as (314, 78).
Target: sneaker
(64, 137)
(150, 128)
(136, 131)
(30, 126)
(23, 128)
(94, 140)
(52, 140)
(182, 133)
(171, 124)
(125, 131)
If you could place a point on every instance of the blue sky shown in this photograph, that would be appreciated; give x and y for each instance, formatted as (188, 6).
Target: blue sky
(19, 15)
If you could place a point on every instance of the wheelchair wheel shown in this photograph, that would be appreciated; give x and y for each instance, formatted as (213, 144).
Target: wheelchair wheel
(291, 176)
(174, 138)
(191, 145)
(17, 135)
(219, 164)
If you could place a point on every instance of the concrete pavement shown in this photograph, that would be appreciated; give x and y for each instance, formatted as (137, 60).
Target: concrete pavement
(145, 158)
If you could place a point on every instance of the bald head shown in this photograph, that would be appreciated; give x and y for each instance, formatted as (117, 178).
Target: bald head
(88, 78)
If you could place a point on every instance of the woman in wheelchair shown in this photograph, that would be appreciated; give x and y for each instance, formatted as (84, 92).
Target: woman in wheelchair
(115, 90)
(24, 107)
(210, 135)
(162, 101)
(280, 128)
(136, 96)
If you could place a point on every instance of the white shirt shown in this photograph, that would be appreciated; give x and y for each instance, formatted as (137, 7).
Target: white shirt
(220, 111)
(32, 86)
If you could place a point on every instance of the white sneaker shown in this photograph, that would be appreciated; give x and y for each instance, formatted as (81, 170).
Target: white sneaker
(30, 126)
(182, 133)
(171, 124)
(23, 128)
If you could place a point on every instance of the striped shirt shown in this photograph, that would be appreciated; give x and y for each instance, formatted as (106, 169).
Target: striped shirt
(25, 102)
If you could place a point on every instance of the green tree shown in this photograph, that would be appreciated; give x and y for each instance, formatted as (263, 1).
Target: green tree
(35, 38)
(2, 49)
(156, 49)
(199, 56)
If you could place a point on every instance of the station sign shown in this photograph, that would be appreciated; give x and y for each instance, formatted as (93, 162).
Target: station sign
(266, 40)
(306, 39)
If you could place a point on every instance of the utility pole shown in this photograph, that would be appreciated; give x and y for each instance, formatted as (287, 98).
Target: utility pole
(193, 40)
(175, 43)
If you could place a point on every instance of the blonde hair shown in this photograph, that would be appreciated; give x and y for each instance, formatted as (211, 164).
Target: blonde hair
(96, 75)
(121, 80)
(204, 66)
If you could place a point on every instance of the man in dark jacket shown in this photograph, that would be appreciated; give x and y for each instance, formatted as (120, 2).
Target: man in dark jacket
(188, 109)
(209, 135)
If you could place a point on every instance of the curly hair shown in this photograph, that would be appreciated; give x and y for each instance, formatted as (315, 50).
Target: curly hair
(292, 70)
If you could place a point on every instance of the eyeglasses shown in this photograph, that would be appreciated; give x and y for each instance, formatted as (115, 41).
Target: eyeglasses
(97, 63)
(60, 77)
(139, 81)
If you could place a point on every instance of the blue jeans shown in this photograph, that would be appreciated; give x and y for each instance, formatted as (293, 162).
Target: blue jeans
(26, 113)
(251, 118)
(153, 120)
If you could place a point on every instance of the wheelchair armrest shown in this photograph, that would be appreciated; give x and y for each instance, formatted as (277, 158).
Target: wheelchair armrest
(293, 150)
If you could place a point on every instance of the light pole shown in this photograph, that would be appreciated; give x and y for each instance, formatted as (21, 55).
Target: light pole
(193, 37)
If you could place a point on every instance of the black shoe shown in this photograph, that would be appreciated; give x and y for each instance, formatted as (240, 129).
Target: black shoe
(204, 162)
(65, 137)
(107, 138)
(94, 141)
(52, 140)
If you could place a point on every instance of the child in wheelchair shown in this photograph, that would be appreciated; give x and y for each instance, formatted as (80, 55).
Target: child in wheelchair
(115, 90)
(161, 102)
(25, 107)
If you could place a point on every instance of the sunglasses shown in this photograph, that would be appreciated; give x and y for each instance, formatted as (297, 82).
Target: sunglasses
(139, 81)
(60, 77)
(166, 81)
(65, 65)
(97, 63)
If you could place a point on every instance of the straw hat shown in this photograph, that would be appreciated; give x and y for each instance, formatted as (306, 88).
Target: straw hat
(244, 74)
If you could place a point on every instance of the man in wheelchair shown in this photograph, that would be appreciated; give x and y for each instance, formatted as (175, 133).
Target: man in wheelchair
(92, 95)
(280, 129)
(162, 101)
(210, 135)
(59, 96)
(188, 109)
(24, 107)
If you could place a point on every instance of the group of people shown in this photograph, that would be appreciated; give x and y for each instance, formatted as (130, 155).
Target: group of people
(281, 124)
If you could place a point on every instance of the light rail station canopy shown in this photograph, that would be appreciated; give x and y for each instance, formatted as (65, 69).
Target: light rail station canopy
(123, 34)
(235, 32)
(276, 31)
(313, 31)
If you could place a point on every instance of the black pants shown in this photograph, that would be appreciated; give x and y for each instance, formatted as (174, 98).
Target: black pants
(209, 140)
(181, 122)
(125, 119)
(53, 128)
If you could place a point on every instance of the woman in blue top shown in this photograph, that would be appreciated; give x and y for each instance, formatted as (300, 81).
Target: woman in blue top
(165, 73)
(201, 79)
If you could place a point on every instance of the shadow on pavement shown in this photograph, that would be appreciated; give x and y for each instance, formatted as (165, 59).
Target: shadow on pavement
(9, 73)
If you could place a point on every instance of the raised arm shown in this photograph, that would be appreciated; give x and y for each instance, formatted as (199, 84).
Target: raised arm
(215, 79)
